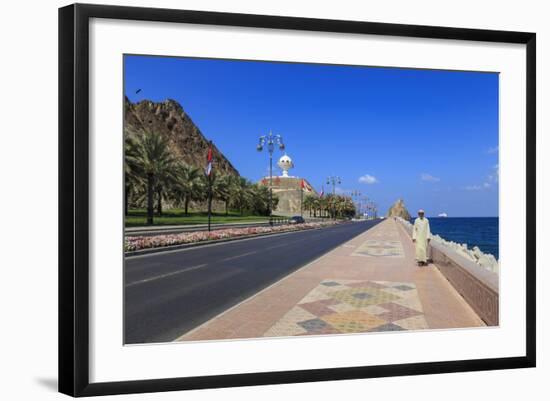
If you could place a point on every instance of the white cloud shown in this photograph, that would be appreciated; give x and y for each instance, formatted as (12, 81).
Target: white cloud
(494, 175)
(485, 185)
(368, 179)
(493, 150)
(473, 188)
(429, 177)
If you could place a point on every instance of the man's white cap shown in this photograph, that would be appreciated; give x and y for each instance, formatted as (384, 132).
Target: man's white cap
(421, 211)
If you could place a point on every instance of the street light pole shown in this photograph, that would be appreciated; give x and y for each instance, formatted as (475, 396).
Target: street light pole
(334, 179)
(208, 172)
(365, 205)
(356, 194)
(271, 140)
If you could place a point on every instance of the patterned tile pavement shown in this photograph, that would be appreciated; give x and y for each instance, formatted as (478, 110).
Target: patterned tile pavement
(377, 248)
(353, 306)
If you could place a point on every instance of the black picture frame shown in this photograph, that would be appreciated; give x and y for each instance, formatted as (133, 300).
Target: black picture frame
(74, 198)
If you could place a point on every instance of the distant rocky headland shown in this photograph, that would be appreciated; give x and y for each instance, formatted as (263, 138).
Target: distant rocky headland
(398, 209)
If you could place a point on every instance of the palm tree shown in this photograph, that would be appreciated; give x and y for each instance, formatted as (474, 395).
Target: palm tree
(221, 189)
(164, 184)
(260, 199)
(309, 202)
(316, 206)
(341, 206)
(241, 194)
(152, 159)
(131, 170)
(190, 185)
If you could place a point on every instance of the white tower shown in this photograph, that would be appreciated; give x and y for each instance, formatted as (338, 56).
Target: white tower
(285, 163)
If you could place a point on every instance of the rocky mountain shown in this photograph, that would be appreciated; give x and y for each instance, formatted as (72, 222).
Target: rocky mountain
(170, 120)
(398, 209)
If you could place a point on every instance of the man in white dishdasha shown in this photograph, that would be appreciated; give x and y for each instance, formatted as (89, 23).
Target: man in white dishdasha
(421, 237)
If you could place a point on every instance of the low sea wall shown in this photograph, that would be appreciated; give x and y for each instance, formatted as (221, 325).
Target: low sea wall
(477, 284)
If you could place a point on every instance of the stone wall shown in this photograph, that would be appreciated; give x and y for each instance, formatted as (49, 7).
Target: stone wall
(289, 192)
(478, 286)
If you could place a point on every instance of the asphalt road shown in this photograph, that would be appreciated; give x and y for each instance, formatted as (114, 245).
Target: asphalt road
(168, 294)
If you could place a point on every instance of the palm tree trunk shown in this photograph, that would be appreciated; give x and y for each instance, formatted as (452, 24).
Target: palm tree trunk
(126, 200)
(150, 182)
(226, 208)
(159, 201)
(187, 205)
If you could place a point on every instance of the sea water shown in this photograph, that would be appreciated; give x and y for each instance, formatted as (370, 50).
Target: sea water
(473, 231)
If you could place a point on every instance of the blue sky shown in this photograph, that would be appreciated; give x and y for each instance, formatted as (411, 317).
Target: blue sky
(429, 137)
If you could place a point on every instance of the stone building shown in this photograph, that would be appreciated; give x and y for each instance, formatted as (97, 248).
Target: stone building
(288, 189)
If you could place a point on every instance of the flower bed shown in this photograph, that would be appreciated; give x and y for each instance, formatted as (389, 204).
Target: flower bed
(138, 243)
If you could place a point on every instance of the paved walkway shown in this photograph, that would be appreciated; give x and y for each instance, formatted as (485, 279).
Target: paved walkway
(370, 283)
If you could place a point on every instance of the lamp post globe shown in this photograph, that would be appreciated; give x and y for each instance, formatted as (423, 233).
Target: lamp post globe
(270, 140)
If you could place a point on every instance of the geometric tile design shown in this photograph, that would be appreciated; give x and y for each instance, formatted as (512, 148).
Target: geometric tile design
(403, 287)
(353, 306)
(330, 283)
(363, 296)
(388, 327)
(397, 312)
(391, 234)
(375, 248)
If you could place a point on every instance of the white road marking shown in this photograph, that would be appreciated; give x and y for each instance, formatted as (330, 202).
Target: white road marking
(238, 256)
(165, 275)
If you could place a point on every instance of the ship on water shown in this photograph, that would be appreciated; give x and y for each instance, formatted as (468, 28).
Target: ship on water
(442, 214)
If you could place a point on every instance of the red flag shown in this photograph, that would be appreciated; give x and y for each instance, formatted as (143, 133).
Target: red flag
(322, 192)
(209, 160)
(302, 184)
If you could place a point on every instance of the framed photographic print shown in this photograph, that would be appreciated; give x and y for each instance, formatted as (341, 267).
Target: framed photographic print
(251, 199)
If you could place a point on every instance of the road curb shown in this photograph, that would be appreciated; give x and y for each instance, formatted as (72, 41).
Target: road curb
(188, 228)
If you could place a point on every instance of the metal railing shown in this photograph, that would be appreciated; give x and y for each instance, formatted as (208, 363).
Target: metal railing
(277, 220)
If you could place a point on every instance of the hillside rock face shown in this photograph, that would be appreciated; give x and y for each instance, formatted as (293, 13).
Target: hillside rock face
(398, 209)
(170, 120)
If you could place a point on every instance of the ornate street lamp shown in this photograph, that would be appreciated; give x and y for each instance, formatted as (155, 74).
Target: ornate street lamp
(334, 180)
(365, 202)
(355, 194)
(270, 140)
